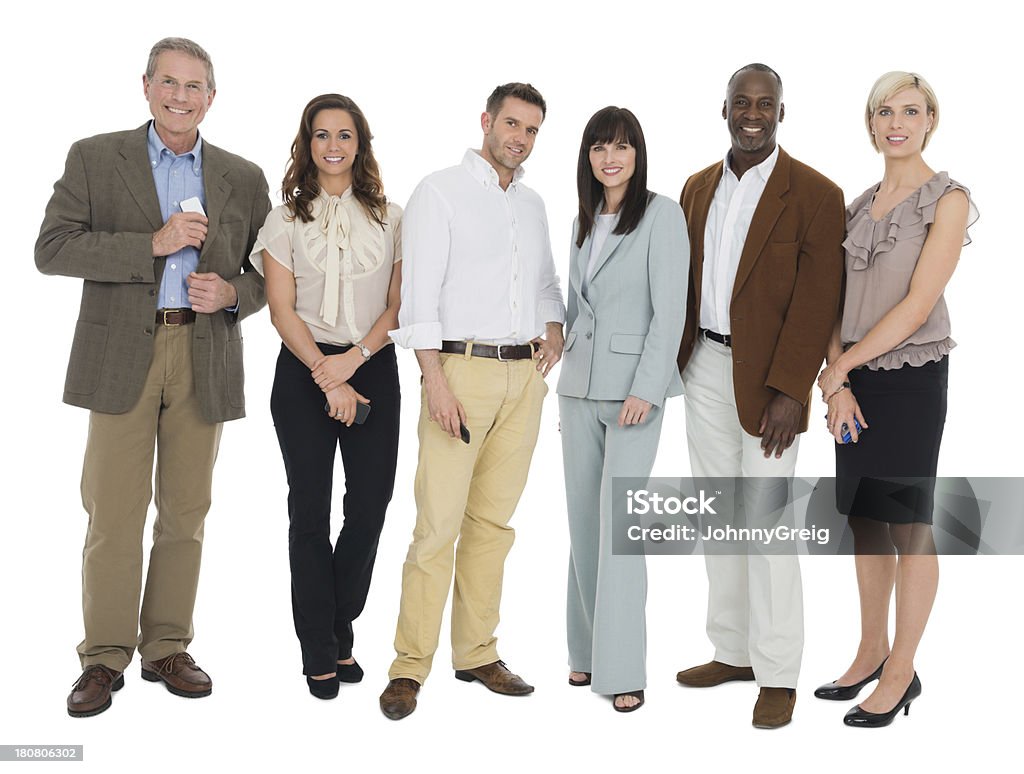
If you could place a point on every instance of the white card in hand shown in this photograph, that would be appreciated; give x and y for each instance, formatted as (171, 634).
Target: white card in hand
(193, 205)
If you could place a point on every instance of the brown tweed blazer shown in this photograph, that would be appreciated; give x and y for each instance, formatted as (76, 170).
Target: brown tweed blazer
(785, 300)
(98, 227)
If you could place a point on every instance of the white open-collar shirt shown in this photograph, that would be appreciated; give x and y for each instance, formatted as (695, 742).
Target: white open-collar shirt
(725, 233)
(477, 261)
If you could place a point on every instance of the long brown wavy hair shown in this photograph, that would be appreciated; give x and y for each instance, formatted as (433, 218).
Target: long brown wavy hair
(301, 187)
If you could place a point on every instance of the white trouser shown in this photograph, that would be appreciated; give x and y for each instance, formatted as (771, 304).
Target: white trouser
(755, 603)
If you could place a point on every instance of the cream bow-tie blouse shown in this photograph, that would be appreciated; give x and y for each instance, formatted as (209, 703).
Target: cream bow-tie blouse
(341, 261)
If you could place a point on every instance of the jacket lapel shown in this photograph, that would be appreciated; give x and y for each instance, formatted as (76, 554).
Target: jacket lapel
(217, 190)
(703, 195)
(769, 208)
(607, 249)
(134, 169)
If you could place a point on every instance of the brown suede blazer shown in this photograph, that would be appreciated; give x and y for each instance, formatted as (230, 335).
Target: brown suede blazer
(99, 226)
(785, 300)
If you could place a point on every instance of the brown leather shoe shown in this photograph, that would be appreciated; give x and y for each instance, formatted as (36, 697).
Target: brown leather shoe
(774, 707)
(180, 674)
(399, 698)
(90, 694)
(497, 678)
(713, 673)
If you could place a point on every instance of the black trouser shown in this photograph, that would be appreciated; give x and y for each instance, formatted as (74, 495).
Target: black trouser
(329, 586)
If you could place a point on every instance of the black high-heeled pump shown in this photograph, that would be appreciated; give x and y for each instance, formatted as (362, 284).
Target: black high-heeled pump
(834, 692)
(349, 673)
(861, 719)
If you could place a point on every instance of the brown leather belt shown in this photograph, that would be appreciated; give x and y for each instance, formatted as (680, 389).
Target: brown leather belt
(501, 352)
(721, 338)
(172, 318)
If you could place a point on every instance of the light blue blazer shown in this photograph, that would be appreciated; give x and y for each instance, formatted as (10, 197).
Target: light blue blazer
(624, 333)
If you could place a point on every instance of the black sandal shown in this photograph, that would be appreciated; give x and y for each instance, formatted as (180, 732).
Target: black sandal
(635, 694)
(580, 683)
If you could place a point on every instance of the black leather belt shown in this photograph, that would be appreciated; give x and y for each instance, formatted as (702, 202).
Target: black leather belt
(721, 338)
(172, 318)
(501, 352)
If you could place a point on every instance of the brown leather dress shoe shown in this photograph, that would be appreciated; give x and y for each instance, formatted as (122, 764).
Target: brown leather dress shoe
(713, 673)
(180, 674)
(399, 698)
(90, 694)
(497, 678)
(774, 707)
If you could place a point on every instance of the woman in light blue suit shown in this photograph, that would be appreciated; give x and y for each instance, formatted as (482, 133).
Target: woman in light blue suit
(627, 301)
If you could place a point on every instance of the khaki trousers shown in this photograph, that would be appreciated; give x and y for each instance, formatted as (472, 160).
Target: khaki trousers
(117, 485)
(466, 493)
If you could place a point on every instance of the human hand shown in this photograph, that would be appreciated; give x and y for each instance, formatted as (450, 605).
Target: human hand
(342, 400)
(831, 380)
(549, 348)
(779, 424)
(843, 410)
(634, 411)
(182, 229)
(442, 405)
(331, 371)
(209, 293)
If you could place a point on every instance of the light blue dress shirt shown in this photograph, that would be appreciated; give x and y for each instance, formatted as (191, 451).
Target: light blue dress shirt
(177, 179)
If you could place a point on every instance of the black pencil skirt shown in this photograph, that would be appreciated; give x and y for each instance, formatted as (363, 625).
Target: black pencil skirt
(889, 475)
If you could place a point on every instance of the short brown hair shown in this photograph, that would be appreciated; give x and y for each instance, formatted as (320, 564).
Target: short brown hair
(524, 91)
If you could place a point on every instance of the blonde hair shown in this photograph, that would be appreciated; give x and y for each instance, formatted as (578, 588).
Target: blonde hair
(893, 83)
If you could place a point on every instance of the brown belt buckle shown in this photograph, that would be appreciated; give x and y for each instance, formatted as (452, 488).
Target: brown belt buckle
(165, 321)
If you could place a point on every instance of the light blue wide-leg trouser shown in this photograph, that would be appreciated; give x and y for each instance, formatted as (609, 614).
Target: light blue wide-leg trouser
(606, 621)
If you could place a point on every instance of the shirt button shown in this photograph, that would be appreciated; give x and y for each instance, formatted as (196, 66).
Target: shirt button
(174, 266)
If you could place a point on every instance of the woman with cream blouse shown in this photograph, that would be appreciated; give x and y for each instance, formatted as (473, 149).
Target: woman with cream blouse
(331, 258)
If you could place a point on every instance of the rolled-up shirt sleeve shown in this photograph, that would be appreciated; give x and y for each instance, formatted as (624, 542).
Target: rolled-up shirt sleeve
(550, 306)
(426, 239)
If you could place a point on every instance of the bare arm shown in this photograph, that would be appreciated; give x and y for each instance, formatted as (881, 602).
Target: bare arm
(442, 405)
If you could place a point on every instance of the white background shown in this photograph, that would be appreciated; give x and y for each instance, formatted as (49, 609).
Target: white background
(421, 73)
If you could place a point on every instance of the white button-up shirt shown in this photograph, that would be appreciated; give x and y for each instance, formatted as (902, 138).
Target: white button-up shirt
(477, 261)
(725, 232)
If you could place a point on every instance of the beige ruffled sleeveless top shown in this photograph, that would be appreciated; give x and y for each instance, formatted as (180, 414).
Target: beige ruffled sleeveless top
(880, 260)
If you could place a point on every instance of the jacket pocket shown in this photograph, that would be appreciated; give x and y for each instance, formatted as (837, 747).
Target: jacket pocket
(87, 352)
(628, 343)
(569, 342)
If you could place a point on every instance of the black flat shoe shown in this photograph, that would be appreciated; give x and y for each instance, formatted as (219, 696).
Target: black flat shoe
(323, 689)
(350, 673)
(580, 683)
(635, 694)
(861, 719)
(834, 692)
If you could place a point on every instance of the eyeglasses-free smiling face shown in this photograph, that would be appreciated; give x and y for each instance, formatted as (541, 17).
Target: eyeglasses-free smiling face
(178, 97)
(613, 163)
(333, 146)
(509, 136)
(753, 109)
(899, 125)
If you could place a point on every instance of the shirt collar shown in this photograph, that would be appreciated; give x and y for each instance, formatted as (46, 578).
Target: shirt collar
(764, 169)
(483, 172)
(157, 148)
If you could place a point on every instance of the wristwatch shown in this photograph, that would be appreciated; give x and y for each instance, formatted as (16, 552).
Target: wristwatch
(365, 350)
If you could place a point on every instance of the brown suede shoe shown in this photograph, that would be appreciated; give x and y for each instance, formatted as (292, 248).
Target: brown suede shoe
(713, 673)
(497, 678)
(180, 674)
(774, 707)
(399, 698)
(90, 694)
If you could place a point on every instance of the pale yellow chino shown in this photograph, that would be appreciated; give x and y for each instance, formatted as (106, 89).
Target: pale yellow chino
(466, 493)
(117, 485)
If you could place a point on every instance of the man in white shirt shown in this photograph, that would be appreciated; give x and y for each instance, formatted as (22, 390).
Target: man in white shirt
(766, 268)
(478, 290)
